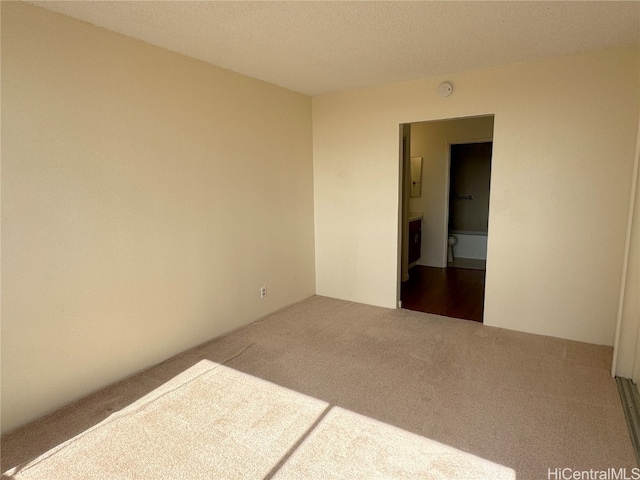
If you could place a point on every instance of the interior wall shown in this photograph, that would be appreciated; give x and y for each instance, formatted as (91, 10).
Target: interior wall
(630, 339)
(564, 142)
(627, 346)
(431, 140)
(470, 178)
(146, 198)
(631, 312)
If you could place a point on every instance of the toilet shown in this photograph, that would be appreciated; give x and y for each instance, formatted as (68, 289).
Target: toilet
(451, 241)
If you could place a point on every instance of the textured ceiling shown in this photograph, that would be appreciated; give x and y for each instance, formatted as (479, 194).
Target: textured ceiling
(321, 47)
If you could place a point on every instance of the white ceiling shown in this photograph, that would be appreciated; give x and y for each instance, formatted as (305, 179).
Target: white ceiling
(322, 47)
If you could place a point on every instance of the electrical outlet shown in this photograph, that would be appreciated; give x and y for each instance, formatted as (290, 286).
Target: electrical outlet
(263, 291)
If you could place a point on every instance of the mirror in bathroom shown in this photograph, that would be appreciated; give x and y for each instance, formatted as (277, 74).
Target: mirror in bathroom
(416, 176)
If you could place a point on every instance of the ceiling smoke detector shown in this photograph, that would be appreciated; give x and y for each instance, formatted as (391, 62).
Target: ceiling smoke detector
(445, 89)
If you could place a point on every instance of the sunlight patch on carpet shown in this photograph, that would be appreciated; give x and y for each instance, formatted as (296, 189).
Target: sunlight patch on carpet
(211, 421)
(348, 445)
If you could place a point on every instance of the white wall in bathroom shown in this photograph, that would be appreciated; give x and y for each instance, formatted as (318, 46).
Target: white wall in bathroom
(470, 246)
(430, 140)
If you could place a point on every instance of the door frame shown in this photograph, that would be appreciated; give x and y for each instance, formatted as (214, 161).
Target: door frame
(403, 176)
(403, 208)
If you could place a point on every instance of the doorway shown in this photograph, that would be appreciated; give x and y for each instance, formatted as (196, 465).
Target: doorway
(448, 217)
(469, 187)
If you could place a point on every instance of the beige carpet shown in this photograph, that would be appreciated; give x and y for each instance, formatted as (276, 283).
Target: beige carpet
(212, 422)
(346, 445)
(208, 422)
(368, 393)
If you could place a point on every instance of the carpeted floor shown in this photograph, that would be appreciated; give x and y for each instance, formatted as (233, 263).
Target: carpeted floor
(525, 402)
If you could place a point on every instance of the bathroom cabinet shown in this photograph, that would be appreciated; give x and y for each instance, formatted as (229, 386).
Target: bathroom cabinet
(415, 240)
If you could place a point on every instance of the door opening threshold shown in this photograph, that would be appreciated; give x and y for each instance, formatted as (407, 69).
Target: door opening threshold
(631, 405)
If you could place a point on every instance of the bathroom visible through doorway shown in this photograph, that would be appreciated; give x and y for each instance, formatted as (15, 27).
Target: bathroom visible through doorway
(445, 226)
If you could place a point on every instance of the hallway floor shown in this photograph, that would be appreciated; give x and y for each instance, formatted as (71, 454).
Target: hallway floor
(451, 292)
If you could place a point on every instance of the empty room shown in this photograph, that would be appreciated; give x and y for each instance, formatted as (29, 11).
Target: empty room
(211, 213)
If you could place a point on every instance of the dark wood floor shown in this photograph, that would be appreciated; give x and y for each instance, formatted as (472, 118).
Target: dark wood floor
(452, 292)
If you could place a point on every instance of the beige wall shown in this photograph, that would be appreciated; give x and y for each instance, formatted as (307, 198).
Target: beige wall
(564, 141)
(146, 197)
(631, 305)
(431, 140)
(627, 346)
